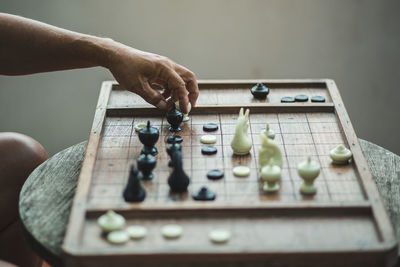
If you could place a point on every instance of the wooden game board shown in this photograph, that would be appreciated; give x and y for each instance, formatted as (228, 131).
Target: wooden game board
(345, 223)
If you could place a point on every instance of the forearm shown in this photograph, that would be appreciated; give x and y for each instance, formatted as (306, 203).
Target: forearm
(28, 46)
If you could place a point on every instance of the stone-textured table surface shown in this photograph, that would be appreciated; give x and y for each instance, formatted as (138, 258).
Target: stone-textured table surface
(46, 197)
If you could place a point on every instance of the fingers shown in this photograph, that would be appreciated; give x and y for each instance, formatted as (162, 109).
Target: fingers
(190, 82)
(176, 84)
(152, 96)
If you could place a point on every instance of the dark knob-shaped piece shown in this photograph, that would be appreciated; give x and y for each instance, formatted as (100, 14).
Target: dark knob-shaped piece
(204, 194)
(134, 191)
(178, 181)
(174, 117)
(148, 136)
(171, 148)
(146, 164)
(260, 91)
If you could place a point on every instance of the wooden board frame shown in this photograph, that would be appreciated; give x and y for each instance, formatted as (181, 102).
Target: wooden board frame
(384, 254)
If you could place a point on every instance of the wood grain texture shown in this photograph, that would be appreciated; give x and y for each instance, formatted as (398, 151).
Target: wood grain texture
(46, 197)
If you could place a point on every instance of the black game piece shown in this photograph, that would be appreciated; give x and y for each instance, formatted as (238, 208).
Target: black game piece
(210, 127)
(215, 174)
(134, 191)
(174, 117)
(171, 148)
(260, 91)
(208, 150)
(301, 98)
(318, 98)
(177, 138)
(146, 164)
(287, 99)
(148, 136)
(178, 181)
(204, 194)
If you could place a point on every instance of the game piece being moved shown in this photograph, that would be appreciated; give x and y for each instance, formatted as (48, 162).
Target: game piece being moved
(170, 150)
(178, 181)
(241, 171)
(118, 237)
(174, 117)
(148, 136)
(111, 221)
(269, 132)
(308, 170)
(340, 155)
(185, 116)
(139, 126)
(204, 194)
(269, 150)
(134, 191)
(146, 163)
(259, 91)
(241, 142)
(271, 174)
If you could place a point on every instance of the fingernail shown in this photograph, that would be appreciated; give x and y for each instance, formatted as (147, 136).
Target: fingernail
(162, 104)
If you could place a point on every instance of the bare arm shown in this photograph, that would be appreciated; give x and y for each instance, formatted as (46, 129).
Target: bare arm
(28, 46)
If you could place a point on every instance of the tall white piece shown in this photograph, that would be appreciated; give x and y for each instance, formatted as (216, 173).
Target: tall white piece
(269, 150)
(308, 170)
(241, 143)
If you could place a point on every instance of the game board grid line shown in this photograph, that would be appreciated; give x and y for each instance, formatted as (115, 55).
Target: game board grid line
(287, 160)
(320, 163)
(222, 148)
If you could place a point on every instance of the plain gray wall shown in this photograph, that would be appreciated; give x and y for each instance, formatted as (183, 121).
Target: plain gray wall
(354, 42)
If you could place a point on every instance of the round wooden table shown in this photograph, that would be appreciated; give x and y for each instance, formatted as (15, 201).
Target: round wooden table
(46, 197)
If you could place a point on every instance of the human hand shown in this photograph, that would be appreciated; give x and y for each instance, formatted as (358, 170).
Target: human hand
(140, 71)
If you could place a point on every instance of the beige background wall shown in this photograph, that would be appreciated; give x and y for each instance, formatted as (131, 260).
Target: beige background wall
(354, 42)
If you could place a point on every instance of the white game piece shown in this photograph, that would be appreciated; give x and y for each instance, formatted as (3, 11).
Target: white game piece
(111, 221)
(241, 142)
(171, 231)
(308, 170)
(185, 116)
(340, 155)
(139, 126)
(208, 139)
(136, 231)
(219, 235)
(118, 237)
(269, 132)
(269, 150)
(241, 171)
(271, 174)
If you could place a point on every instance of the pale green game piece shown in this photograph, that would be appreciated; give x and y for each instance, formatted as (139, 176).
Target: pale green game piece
(308, 170)
(185, 116)
(241, 142)
(139, 126)
(208, 139)
(271, 174)
(136, 231)
(171, 231)
(118, 237)
(340, 155)
(241, 171)
(111, 221)
(219, 236)
(269, 150)
(268, 132)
